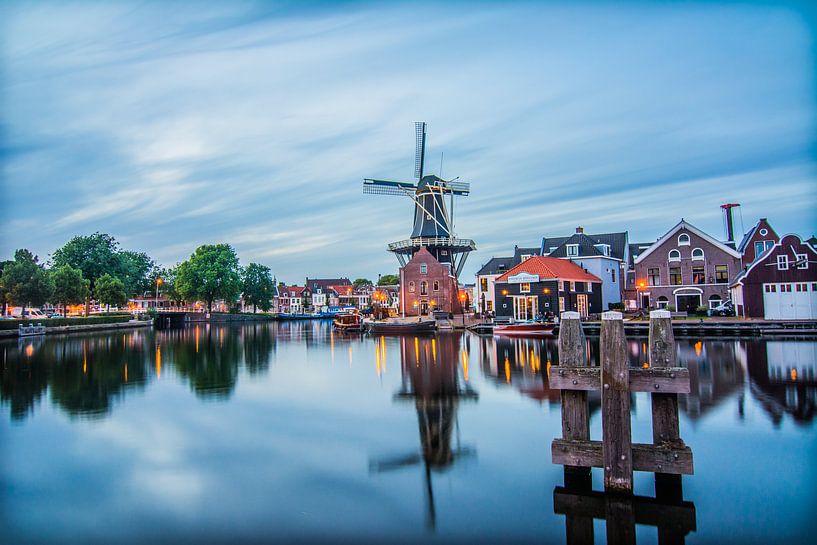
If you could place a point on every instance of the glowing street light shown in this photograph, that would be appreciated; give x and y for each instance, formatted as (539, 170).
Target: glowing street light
(158, 283)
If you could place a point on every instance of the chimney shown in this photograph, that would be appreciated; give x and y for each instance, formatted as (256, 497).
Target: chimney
(729, 225)
(579, 230)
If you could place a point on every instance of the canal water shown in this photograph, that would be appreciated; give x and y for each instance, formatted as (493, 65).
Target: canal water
(289, 432)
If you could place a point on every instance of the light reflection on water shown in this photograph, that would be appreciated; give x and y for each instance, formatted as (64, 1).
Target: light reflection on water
(275, 431)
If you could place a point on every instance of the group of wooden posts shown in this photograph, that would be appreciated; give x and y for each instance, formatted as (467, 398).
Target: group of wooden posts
(667, 456)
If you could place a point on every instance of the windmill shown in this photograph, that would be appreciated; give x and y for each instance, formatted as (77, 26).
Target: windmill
(433, 219)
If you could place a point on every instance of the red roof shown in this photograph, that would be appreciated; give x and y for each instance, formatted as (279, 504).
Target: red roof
(550, 268)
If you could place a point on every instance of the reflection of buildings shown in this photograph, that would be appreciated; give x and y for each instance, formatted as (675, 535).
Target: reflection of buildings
(782, 378)
(716, 373)
(523, 363)
(431, 368)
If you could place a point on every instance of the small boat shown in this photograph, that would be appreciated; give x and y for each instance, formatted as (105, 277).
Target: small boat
(525, 329)
(397, 328)
(348, 322)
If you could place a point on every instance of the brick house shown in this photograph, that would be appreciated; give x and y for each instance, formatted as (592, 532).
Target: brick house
(540, 285)
(427, 285)
(760, 238)
(779, 285)
(686, 268)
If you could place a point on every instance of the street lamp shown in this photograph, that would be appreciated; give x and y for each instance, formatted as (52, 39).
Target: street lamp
(462, 307)
(156, 300)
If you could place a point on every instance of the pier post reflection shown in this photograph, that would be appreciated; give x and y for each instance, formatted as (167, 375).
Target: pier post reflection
(431, 378)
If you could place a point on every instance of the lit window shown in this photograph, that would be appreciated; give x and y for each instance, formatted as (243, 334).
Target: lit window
(674, 255)
(721, 274)
(423, 268)
(423, 288)
(675, 278)
(697, 254)
(782, 263)
(653, 277)
(683, 240)
(483, 284)
(524, 287)
(698, 275)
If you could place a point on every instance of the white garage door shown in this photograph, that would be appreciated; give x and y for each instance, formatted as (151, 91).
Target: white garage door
(790, 301)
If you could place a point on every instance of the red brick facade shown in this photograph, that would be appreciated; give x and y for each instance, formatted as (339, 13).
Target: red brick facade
(761, 237)
(427, 285)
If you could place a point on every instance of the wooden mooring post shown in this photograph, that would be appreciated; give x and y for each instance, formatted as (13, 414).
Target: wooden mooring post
(667, 456)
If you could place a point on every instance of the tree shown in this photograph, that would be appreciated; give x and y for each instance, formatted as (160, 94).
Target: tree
(4, 294)
(257, 286)
(211, 273)
(135, 270)
(95, 255)
(360, 282)
(168, 283)
(110, 290)
(25, 281)
(69, 286)
(388, 280)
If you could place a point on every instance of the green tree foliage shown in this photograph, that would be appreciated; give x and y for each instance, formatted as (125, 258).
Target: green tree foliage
(211, 273)
(135, 271)
(167, 284)
(360, 282)
(4, 293)
(25, 281)
(388, 280)
(257, 286)
(95, 255)
(69, 286)
(110, 290)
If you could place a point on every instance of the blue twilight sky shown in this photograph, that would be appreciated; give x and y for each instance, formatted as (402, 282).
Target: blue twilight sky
(173, 124)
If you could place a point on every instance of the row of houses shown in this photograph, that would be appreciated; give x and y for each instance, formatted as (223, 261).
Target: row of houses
(687, 270)
(322, 294)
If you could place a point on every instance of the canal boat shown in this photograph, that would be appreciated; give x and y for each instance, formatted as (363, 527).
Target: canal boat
(398, 328)
(351, 322)
(525, 329)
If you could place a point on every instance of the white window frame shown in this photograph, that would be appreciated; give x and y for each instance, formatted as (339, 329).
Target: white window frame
(572, 250)
(802, 261)
(686, 240)
(700, 257)
(674, 256)
(524, 287)
(783, 262)
(423, 268)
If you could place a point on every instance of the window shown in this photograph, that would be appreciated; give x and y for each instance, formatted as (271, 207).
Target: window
(760, 247)
(782, 263)
(653, 277)
(714, 300)
(436, 285)
(802, 261)
(561, 304)
(698, 275)
(721, 274)
(573, 286)
(483, 284)
(411, 287)
(423, 288)
(774, 288)
(764, 232)
(767, 288)
(674, 255)
(572, 250)
(524, 287)
(683, 240)
(562, 285)
(697, 254)
(675, 276)
(613, 275)
(489, 306)
(526, 257)
(423, 268)
(662, 302)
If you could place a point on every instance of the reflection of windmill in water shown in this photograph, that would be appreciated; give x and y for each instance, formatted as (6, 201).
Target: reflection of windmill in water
(431, 377)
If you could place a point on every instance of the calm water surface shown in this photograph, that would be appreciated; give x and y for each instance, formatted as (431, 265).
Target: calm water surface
(288, 432)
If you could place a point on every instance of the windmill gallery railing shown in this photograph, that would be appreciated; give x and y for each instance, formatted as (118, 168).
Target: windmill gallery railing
(414, 243)
(667, 456)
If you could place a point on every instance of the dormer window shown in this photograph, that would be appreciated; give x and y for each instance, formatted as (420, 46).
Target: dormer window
(552, 249)
(683, 240)
(697, 254)
(674, 255)
(572, 250)
(525, 257)
(603, 248)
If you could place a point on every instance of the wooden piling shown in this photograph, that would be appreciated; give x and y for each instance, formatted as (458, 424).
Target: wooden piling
(662, 354)
(615, 405)
(573, 353)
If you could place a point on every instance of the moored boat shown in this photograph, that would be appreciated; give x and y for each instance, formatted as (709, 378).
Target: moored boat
(352, 322)
(525, 329)
(397, 328)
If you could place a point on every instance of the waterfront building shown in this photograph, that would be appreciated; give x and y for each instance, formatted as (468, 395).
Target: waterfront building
(685, 269)
(631, 290)
(427, 285)
(603, 255)
(486, 276)
(756, 241)
(291, 299)
(543, 284)
(781, 284)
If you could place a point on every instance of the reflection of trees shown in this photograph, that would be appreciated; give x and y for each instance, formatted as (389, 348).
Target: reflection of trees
(258, 345)
(22, 385)
(208, 359)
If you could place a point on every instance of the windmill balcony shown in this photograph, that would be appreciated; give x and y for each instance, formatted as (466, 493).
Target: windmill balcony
(456, 244)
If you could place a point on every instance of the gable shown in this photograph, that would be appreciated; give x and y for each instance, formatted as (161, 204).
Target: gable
(789, 245)
(669, 241)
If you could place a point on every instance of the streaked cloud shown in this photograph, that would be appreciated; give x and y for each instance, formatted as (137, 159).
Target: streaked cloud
(253, 123)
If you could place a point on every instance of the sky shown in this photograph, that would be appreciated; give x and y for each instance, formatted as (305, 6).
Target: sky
(174, 124)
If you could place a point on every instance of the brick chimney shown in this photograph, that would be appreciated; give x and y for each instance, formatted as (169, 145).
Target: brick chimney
(579, 230)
